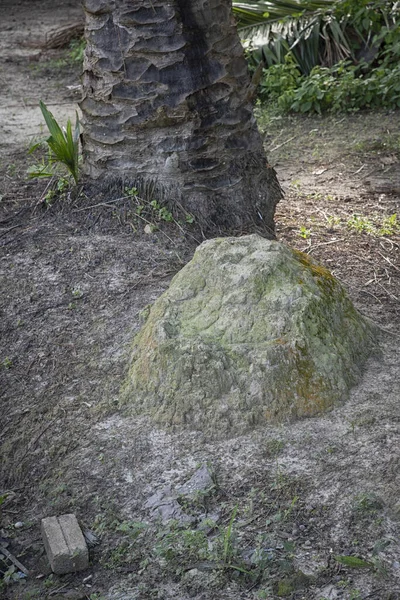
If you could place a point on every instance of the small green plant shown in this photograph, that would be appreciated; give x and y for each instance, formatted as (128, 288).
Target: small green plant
(189, 218)
(64, 145)
(11, 170)
(296, 184)
(333, 221)
(131, 192)
(76, 50)
(390, 225)
(273, 447)
(162, 212)
(151, 211)
(178, 546)
(360, 224)
(368, 503)
(49, 582)
(11, 575)
(42, 169)
(7, 363)
(228, 539)
(304, 233)
(133, 528)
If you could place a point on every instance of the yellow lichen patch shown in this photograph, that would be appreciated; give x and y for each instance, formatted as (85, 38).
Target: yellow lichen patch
(325, 280)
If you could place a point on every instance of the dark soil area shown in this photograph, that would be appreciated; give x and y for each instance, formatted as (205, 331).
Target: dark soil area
(75, 276)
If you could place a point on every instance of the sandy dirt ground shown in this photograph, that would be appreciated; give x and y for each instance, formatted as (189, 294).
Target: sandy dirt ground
(286, 502)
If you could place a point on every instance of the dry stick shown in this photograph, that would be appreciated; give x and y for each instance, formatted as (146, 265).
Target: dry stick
(391, 242)
(389, 261)
(283, 143)
(362, 258)
(386, 291)
(324, 244)
(371, 294)
(53, 592)
(14, 560)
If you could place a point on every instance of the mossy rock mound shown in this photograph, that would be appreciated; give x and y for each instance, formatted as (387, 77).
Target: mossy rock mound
(249, 332)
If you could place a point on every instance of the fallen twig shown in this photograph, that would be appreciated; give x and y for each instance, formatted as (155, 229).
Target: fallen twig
(283, 143)
(324, 244)
(14, 560)
(389, 261)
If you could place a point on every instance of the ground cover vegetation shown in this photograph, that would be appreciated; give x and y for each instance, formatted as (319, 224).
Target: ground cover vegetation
(324, 56)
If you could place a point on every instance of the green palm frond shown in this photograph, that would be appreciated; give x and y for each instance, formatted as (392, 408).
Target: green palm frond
(63, 144)
(308, 29)
(253, 14)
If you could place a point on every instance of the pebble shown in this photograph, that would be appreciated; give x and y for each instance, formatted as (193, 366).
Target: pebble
(18, 525)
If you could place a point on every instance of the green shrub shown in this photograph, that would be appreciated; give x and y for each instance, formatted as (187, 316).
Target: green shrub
(342, 88)
(280, 81)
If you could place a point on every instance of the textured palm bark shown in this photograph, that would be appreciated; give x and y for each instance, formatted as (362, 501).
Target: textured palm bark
(167, 105)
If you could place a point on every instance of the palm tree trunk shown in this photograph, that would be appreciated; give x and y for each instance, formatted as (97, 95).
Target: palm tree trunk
(167, 105)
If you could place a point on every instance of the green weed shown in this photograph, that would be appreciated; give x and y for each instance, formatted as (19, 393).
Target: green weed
(76, 50)
(333, 221)
(151, 212)
(304, 233)
(7, 363)
(178, 547)
(360, 224)
(389, 225)
(228, 539)
(273, 448)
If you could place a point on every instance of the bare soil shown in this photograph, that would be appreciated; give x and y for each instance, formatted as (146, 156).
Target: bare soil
(75, 276)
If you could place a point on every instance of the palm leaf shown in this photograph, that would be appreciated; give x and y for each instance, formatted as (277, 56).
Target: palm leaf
(252, 14)
(309, 29)
(64, 145)
(353, 562)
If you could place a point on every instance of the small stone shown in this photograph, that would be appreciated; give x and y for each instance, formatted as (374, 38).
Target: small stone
(18, 525)
(64, 543)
